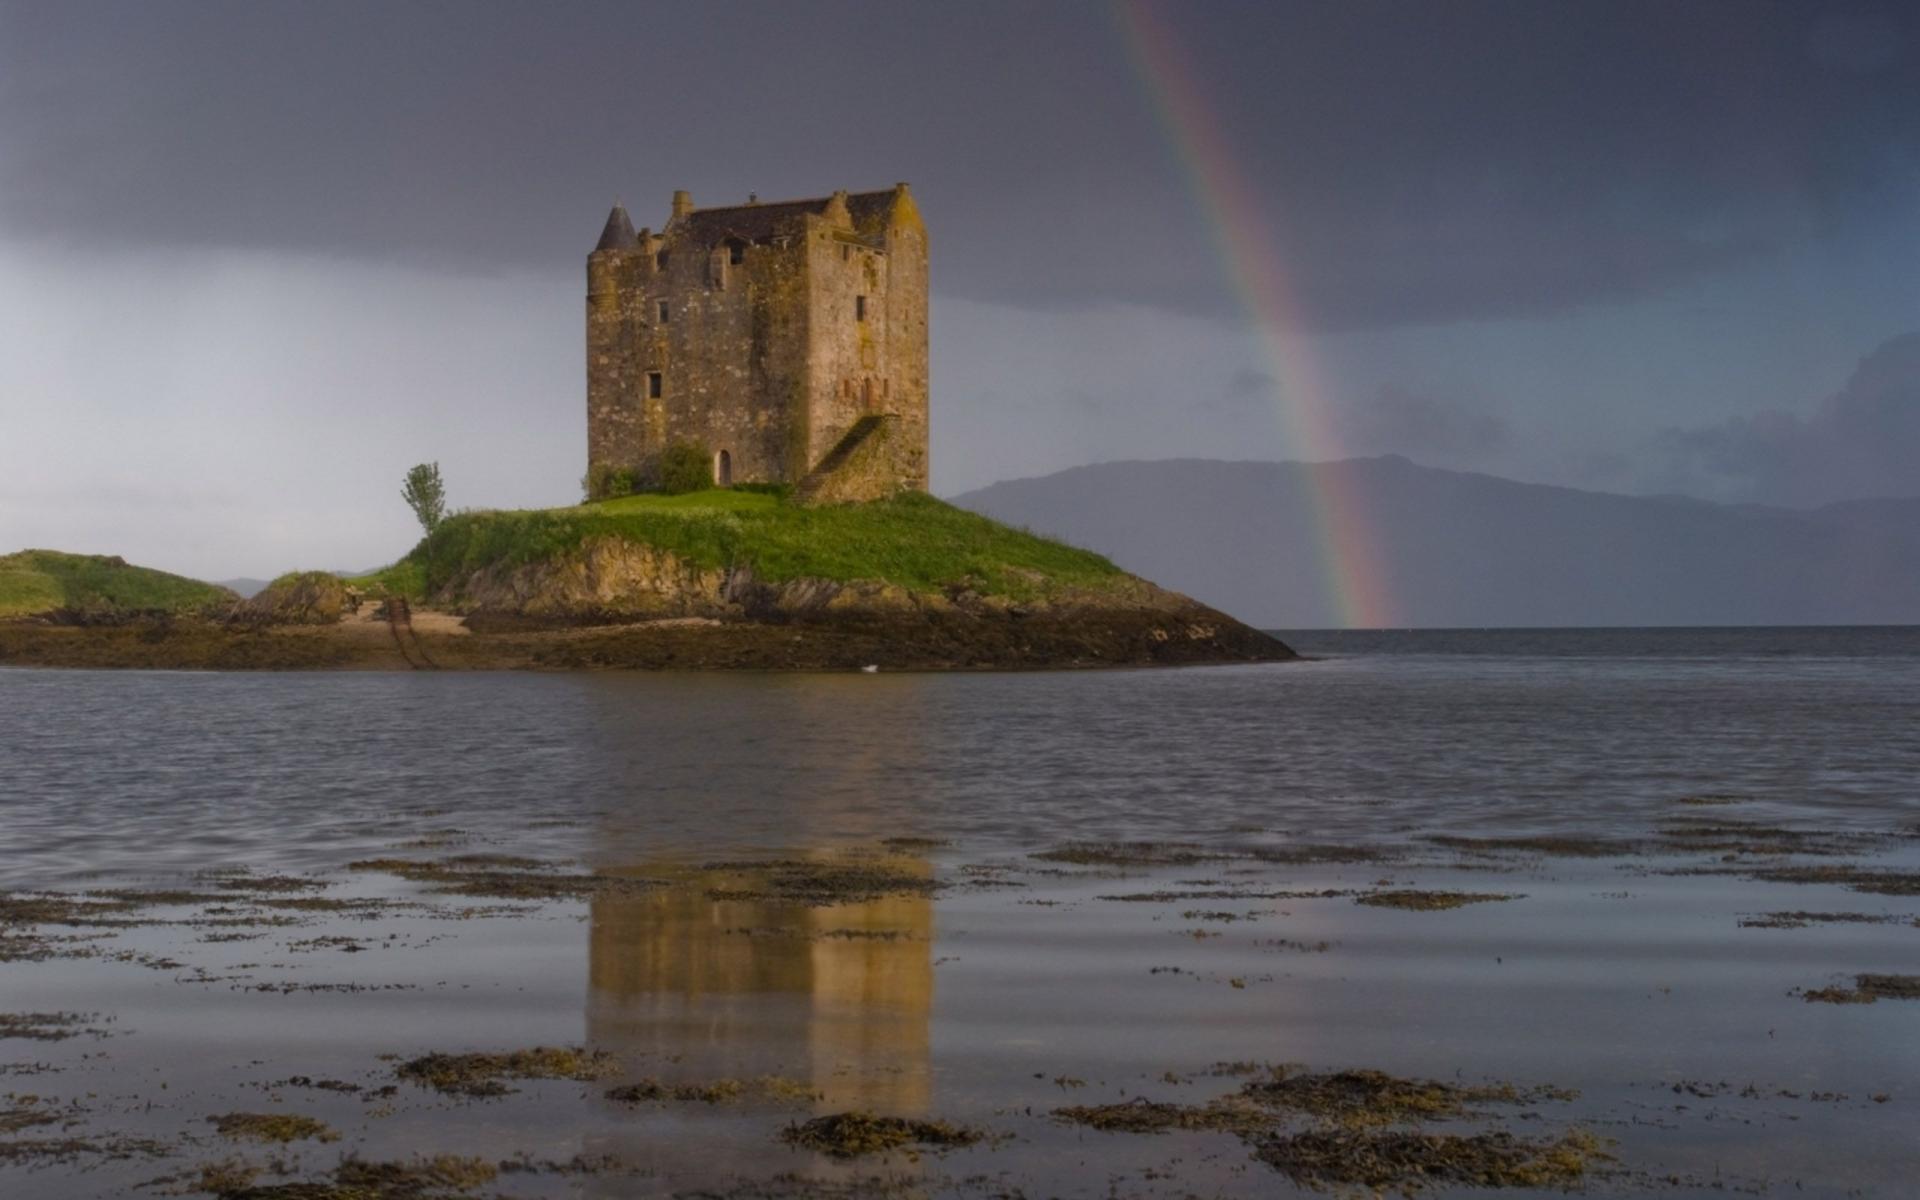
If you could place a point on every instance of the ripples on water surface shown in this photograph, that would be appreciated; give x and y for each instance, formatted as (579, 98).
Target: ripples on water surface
(1610, 975)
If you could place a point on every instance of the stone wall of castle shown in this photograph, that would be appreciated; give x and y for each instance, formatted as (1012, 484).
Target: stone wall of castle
(765, 345)
(868, 348)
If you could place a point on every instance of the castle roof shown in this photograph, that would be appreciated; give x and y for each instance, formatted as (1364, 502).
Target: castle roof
(618, 235)
(750, 222)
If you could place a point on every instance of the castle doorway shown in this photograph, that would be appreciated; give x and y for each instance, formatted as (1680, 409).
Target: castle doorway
(723, 469)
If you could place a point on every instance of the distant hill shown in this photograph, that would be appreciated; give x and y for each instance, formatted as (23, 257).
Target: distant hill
(1460, 549)
(33, 582)
(246, 587)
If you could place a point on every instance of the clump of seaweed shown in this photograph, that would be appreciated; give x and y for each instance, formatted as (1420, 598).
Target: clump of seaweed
(48, 1027)
(27, 1112)
(1412, 1161)
(272, 1127)
(1307, 853)
(1860, 879)
(356, 1179)
(246, 882)
(1349, 1144)
(716, 1091)
(56, 908)
(39, 947)
(501, 877)
(481, 1074)
(1867, 989)
(44, 1152)
(1368, 1097)
(1169, 897)
(1558, 846)
(1355, 1099)
(1419, 900)
(853, 1134)
(1800, 920)
(1131, 854)
(1746, 837)
(222, 1178)
(820, 883)
(1227, 1114)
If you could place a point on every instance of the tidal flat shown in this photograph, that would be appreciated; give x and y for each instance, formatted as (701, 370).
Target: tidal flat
(1320, 929)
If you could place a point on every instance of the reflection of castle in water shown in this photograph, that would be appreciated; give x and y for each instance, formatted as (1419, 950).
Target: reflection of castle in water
(701, 981)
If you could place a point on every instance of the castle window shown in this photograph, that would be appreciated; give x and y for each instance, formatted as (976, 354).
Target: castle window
(666, 311)
(736, 252)
(653, 385)
(660, 260)
(723, 469)
(859, 308)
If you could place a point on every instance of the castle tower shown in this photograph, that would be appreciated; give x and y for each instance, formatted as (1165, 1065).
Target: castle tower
(789, 339)
(614, 391)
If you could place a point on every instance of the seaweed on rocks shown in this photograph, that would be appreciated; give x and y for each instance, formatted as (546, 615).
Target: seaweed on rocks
(1410, 1162)
(482, 1074)
(1421, 900)
(854, 1134)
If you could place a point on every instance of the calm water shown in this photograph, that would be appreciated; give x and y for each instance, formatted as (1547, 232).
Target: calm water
(1610, 975)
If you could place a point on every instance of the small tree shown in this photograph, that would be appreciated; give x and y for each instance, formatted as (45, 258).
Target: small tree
(426, 496)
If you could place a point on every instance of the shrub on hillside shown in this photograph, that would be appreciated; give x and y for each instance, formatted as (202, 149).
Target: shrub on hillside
(604, 481)
(685, 467)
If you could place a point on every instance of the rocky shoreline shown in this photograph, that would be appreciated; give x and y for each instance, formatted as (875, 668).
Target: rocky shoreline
(838, 628)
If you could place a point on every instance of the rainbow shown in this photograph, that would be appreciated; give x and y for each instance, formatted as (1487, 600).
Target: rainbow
(1243, 231)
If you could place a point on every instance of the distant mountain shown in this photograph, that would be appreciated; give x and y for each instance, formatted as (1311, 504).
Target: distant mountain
(1456, 549)
(248, 588)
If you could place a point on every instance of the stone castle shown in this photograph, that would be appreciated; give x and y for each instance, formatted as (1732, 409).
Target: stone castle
(788, 340)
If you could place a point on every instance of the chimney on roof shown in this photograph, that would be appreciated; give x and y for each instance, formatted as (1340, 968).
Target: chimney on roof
(682, 203)
(837, 212)
(618, 234)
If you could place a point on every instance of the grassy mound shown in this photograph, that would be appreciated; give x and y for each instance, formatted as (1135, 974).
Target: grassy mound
(914, 542)
(47, 581)
(301, 598)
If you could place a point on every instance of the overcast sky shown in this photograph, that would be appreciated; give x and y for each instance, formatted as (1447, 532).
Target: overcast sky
(258, 258)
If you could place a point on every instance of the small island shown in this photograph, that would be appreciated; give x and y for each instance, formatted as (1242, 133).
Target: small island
(717, 579)
(756, 475)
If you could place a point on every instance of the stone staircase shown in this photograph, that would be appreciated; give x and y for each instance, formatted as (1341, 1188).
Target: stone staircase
(858, 434)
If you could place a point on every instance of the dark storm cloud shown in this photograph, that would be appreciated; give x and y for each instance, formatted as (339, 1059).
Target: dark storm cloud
(1862, 441)
(1418, 162)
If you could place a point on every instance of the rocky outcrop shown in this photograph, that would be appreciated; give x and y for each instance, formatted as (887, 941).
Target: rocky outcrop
(607, 580)
(303, 598)
(613, 582)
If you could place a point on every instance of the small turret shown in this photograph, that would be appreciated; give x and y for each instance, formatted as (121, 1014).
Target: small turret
(837, 214)
(682, 204)
(618, 235)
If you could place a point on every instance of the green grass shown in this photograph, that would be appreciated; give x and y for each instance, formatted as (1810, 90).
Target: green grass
(404, 578)
(37, 581)
(915, 542)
